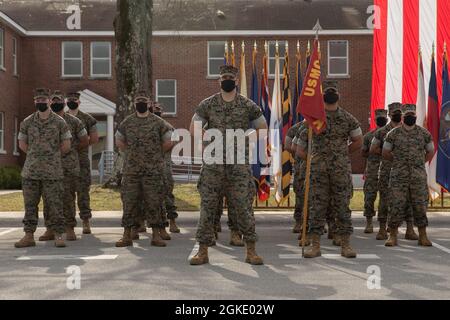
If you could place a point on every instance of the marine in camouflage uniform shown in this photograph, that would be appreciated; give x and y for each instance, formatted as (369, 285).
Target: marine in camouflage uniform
(409, 147)
(330, 175)
(71, 169)
(144, 137)
(90, 124)
(298, 174)
(371, 172)
(395, 112)
(222, 111)
(43, 136)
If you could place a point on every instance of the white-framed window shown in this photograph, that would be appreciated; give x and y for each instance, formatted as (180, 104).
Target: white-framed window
(14, 56)
(16, 136)
(216, 57)
(272, 52)
(166, 95)
(338, 58)
(72, 59)
(101, 59)
(2, 48)
(2, 133)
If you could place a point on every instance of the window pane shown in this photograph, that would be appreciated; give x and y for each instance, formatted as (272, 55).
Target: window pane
(168, 104)
(338, 49)
(100, 49)
(217, 49)
(101, 67)
(214, 66)
(338, 66)
(281, 49)
(1, 37)
(72, 67)
(72, 50)
(166, 88)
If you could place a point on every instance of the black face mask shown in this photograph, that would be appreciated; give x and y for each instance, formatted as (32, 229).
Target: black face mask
(330, 98)
(410, 120)
(228, 85)
(158, 114)
(396, 117)
(42, 107)
(381, 121)
(141, 107)
(57, 107)
(72, 105)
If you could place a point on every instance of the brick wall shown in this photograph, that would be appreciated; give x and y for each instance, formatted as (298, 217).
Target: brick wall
(185, 59)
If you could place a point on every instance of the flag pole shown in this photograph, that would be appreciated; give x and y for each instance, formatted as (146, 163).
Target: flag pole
(317, 28)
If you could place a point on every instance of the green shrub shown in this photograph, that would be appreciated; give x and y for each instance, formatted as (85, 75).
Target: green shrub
(10, 178)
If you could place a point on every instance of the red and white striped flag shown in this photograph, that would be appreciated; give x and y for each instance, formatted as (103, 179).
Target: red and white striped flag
(401, 27)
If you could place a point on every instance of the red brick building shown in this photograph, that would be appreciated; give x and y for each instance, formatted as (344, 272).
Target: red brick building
(38, 49)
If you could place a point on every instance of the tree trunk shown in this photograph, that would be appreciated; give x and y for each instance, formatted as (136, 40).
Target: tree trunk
(133, 31)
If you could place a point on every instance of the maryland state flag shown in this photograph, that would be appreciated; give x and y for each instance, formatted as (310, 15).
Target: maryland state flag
(310, 104)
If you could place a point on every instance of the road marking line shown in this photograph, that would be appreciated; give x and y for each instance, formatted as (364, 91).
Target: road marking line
(438, 246)
(2, 233)
(329, 256)
(68, 257)
(194, 250)
(219, 245)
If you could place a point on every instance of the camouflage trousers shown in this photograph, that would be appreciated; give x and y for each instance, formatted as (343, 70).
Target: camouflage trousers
(231, 181)
(384, 213)
(50, 191)
(299, 190)
(409, 191)
(232, 221)
(142, 193)
(83, 198)
(331, 191)
(70, 186)
(370, 194)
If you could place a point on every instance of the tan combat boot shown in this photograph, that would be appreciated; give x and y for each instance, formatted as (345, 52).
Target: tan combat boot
(297, 227)
(157, 241)
(59, 241)
(70, 234)
(235, 239)
(252, 256)
(47, 236)
(392, 241)
(314, 250)
(369, 225)
(134, 234)
(173, 228)
(126, 240)
(337, 240)
(164, 235)
(410, 234)
(423, 239)
(346, 250)
(86, 226)
(201, 257)
(382, 233)
(26, 241)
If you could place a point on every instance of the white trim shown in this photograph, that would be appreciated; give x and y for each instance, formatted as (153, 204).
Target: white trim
(210, 75)
(62, 60)
(92, 60)
(174, 96)
(2, 130)
(347, 58)
(208, 33)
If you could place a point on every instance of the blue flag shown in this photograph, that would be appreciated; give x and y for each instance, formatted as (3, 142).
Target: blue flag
(443, 157)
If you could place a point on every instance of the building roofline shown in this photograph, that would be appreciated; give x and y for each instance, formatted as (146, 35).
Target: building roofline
(183, 33)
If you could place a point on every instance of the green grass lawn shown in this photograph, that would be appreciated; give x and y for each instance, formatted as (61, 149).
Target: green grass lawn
(186, 195)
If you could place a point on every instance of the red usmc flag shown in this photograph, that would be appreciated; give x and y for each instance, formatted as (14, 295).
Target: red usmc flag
(310, 104)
